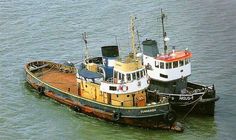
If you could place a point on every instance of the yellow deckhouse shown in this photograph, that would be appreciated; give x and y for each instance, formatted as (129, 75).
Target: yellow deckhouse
(127, 87)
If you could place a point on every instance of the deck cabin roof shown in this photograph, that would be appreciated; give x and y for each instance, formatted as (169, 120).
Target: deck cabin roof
(175, 56)
(89, 74)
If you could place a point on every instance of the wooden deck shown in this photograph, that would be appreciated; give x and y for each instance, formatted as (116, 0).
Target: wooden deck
(61, 80)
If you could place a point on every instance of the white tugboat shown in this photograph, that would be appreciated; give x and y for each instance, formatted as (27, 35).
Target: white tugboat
(169, 72)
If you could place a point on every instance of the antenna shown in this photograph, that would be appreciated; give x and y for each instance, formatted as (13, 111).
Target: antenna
(84, 36)
(165, 38)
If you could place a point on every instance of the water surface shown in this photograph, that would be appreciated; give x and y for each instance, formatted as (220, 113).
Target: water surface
(51, 30)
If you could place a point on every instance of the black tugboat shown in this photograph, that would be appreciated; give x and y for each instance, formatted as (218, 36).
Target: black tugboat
(169, 72)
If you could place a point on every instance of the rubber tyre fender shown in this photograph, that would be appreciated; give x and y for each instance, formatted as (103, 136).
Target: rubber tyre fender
(41, 90)
(116, 116)
(76, 108)
(170, 117)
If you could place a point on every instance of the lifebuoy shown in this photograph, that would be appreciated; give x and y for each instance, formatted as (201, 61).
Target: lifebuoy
(123, 88)
(41, 90)
(170, 117)
(116, 116)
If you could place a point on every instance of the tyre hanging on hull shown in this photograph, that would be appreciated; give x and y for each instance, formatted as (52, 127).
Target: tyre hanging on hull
(116, 116)
(76, 108)
(41, 90)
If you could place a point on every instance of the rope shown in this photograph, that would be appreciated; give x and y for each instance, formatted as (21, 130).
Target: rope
(196, 101)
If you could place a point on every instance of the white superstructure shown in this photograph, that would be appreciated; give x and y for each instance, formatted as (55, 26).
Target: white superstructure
(169, 67)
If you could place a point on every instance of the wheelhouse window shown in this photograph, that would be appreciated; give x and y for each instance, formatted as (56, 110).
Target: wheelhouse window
(157, 64)
(144, 72)
(115, 74)
(168, 65)
(181, 63)
(119, 76)
(141, 72)
(162, 65)
(138, 75)
(175, 64)
(186, 61)
(123, 77)
(128, 77)
(134, 76)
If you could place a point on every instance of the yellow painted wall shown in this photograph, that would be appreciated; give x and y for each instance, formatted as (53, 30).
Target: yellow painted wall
(117, 99)
(92, 91)
(127, 101)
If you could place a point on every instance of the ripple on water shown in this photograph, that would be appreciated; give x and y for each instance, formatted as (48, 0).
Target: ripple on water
(51, 30)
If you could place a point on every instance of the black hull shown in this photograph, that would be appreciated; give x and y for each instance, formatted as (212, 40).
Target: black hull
(202, 104)
(199, 108)
(200, 101)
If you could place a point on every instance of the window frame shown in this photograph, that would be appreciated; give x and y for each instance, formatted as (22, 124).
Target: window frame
(162, 65)
(177, 64)
(122, 77)
(181, 63)
(169, 65)
(186, 61)
(134, 77)
(128, 77)
(138, 75)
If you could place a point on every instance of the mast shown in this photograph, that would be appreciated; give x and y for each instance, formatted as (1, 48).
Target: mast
(84, 35)
(165, 39)
(134, 51)
(139, 48)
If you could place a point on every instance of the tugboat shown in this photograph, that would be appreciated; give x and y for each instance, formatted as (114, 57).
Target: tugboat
(106, 87)
(169, 72)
